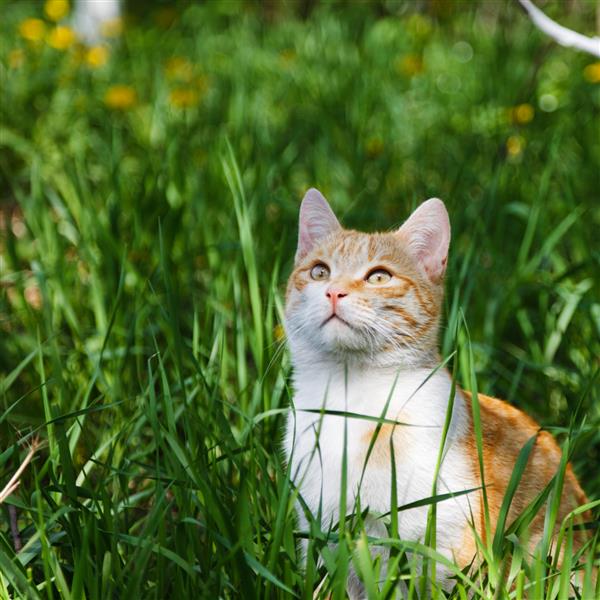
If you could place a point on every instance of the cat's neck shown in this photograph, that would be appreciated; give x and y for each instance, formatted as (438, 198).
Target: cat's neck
(362, 364)
(369, 389)
(329, 373)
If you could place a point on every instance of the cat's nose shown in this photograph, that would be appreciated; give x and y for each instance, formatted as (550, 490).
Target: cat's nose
(335, 295)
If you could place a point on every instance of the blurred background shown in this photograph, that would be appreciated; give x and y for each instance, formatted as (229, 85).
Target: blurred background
(151, 171)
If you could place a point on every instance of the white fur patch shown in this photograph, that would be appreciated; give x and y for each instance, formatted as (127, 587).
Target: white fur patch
(314, 444)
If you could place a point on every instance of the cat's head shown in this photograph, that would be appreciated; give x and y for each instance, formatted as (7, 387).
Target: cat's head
(370, 297)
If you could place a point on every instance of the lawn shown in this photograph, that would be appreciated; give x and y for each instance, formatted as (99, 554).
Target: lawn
(149, 191)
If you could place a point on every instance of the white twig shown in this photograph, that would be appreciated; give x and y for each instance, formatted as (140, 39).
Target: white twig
(562, 35)
(13, 483)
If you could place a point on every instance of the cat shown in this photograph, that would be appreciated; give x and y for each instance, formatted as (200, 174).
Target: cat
(362, 318)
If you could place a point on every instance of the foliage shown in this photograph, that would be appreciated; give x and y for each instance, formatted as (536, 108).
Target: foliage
(150, 188)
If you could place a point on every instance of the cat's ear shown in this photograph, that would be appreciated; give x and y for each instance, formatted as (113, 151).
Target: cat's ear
(426, 234)
(316, 221)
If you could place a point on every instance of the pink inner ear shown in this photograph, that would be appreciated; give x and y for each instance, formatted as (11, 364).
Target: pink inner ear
(317, 221)
(427, 236)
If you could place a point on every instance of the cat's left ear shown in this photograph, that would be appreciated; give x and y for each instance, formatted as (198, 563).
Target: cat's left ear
(316, 222)
(427, 236)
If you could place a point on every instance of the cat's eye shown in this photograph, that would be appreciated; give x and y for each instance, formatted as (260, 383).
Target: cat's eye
(379, 277)
(320, 272)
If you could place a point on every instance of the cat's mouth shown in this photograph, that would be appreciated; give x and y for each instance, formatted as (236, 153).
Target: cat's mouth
(336, 317)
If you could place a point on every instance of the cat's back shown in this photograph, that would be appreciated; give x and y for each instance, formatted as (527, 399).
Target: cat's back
(505, 431)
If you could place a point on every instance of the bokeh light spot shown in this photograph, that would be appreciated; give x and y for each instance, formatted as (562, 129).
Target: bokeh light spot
(61, 37)
(33, 30)
(592, 72)
(523, 113)
(56, 9)
(548, 102)
(120, 97)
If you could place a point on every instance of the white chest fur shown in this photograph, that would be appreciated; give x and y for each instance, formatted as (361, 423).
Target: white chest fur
(314, 445)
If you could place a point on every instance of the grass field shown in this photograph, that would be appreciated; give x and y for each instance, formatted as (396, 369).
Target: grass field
(148, 206)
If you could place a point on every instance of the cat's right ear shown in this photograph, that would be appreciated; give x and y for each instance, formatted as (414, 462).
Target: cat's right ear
(317, 221)
(427, 236)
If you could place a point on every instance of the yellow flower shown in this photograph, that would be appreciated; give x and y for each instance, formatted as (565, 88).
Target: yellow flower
(96, 56)
(183, 97)
(592, 72)
(16, 58)
(515, 145)
(179, 68)
(523, 113)
(32, 30)
(61, 37)
(279, 332)
(56, 9)
(120, 97)
(409, 65)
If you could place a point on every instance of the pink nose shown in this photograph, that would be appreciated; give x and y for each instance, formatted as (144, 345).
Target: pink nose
(335, 295)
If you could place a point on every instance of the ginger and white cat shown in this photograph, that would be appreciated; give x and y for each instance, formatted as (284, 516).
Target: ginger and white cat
(362, 318)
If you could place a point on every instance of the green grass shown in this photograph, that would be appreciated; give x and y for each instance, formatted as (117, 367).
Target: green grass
(143, 257)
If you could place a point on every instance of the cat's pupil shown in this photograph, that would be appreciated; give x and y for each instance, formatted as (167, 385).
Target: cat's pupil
(319, 272)
(379, 276)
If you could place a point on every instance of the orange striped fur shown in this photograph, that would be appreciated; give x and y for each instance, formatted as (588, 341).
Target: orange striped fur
(505, 430)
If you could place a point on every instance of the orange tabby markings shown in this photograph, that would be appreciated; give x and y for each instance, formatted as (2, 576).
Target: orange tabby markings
(400, 311)
(505, 430)
(429, 305)
(299, 280)
(380, 453)
(373, 249)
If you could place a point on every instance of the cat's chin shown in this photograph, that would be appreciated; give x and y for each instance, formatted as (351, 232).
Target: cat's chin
(339, 335)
